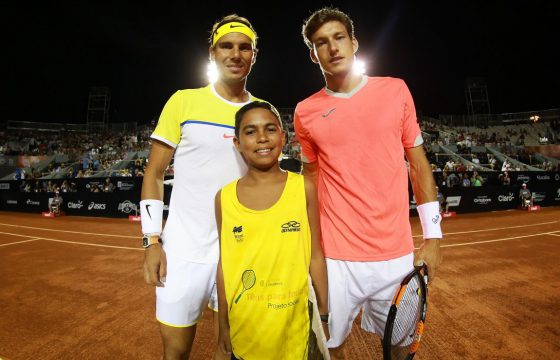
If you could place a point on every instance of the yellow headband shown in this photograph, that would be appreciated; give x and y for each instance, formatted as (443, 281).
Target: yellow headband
(232, 27)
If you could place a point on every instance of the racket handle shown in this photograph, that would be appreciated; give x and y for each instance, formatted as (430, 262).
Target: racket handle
(239, 297)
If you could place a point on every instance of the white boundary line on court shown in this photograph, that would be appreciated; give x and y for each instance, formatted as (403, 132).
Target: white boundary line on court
(136, 237)
(19, 242)
(71, 232)
(68, 242)
(552, 233)
(132, 248)
(493, 229)
(499, 240)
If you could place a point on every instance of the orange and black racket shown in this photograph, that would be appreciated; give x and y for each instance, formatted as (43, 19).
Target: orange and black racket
(405, 322)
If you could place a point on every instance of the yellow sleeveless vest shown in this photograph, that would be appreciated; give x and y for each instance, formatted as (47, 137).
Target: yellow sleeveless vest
(265, 260)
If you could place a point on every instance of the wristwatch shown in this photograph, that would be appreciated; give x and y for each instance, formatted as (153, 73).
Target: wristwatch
(325, 318)
(148, 240)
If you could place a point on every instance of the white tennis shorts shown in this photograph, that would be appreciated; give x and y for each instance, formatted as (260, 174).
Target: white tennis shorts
(189, 288)
(366, 286)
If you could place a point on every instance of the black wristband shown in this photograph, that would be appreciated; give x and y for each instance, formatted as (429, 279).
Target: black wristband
(325, 318)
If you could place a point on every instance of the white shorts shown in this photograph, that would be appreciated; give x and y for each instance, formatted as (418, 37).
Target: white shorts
(366, 286)
(189, 288)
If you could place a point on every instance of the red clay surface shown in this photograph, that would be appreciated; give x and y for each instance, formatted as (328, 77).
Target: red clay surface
(72, 288)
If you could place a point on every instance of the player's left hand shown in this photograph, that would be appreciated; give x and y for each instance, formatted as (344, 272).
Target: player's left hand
(326, 331)
(430, 254)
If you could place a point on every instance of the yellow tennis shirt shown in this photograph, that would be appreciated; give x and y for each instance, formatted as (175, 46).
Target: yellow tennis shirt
(265, 260)
(200, 125)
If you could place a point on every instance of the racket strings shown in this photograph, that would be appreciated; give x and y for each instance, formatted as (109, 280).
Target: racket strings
(248, 279)
(407, 316)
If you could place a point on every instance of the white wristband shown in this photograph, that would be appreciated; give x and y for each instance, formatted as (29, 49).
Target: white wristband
(430, 218)
(151, 215)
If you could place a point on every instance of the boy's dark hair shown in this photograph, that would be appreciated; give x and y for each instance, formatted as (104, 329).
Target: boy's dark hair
(322, 16)
(227, 19)
(254, 105)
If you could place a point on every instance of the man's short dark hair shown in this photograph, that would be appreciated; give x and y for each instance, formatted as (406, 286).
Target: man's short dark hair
(322, 16)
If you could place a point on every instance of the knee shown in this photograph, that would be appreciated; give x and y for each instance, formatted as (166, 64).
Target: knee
(175, 350)
(177, 344)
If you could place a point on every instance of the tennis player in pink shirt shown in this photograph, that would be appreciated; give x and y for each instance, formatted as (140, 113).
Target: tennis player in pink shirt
(354, 136)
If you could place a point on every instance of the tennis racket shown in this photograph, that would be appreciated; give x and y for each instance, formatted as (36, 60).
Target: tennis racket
(248, 279)
(405, 322)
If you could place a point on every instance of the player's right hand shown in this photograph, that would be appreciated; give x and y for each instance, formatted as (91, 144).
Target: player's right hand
(224, 341)
(155, 265)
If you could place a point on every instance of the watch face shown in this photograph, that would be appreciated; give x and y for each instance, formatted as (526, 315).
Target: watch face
(145, 241)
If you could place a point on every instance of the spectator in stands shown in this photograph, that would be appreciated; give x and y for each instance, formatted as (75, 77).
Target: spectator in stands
(19, 174)
(506, 179)
(442, 182)
(208, 160)
(453, 180)
(491, 161)
(108, 186)
(443, 205)
(64, 187)
(465, 181)
(477, 181)
(50, 187)
(450, 165)
(37, 187)
(331, 126)
(475, 159)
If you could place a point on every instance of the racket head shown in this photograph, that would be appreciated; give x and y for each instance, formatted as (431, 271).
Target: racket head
(407, 314)
(248, 278)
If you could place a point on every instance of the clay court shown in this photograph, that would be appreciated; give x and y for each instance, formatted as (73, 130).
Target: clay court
(72, 288)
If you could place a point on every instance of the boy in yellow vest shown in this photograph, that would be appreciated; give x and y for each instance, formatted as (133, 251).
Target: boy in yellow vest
(269, 243)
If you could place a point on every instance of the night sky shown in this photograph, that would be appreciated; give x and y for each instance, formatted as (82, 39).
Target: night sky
(53, 52)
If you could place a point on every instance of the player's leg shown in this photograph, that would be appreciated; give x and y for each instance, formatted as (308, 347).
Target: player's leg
(345, 299)
(177, 341)
(388, 275)
(180, 304)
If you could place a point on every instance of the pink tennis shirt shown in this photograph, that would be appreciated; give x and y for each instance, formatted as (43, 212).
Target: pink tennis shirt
(358, 141)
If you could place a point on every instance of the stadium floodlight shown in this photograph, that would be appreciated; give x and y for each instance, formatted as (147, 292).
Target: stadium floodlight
(534, 118)
(212, 72)
(359, 67)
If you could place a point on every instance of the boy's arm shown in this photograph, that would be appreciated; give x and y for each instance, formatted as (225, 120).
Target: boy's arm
(318, 267)
(224, 341)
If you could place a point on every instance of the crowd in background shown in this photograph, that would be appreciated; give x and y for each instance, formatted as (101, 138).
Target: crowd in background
(123, 154)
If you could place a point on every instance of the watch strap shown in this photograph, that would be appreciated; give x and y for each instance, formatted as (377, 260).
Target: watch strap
(149, 240)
